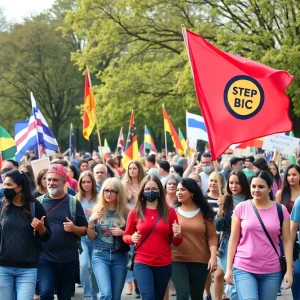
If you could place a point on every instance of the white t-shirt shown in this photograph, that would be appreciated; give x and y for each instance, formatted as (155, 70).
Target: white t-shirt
(204, 182)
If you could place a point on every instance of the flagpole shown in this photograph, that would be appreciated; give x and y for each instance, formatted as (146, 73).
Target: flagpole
(166, 145)
(144, 141)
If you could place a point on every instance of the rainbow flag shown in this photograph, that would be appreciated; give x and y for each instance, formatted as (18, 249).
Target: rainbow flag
(148, 141)
(185, 147)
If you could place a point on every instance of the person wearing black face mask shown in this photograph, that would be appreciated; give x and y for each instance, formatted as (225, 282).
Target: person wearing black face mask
(155, 223)
(22, 222)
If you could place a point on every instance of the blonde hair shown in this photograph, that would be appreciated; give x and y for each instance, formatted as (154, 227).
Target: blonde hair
(141, 173)
(81, 192)
(121, 210)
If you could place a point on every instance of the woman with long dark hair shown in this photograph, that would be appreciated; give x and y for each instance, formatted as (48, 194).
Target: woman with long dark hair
(153, 259)
(257, 274)
(275, 171)
(22, 221)
(72, 172)
(196, 256)
(237, 191)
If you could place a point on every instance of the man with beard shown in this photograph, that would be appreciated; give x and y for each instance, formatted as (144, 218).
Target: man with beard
(59, 260)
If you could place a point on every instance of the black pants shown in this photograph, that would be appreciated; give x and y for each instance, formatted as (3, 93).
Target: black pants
(60, 275)
(189, 279)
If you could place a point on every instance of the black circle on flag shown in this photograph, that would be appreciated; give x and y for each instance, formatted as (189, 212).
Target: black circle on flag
(243, 97)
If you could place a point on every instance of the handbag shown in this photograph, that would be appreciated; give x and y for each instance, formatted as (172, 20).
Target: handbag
(282, 259)
(131, 256)
(120, 245)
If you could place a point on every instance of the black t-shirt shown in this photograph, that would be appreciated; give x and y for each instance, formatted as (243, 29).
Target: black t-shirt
(18, 246)
(62, 247)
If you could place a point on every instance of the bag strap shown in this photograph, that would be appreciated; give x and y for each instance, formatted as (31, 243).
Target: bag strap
(72, 206)
(263, 227)
(150, 231)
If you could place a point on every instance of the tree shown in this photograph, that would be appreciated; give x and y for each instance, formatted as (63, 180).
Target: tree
(35, 57)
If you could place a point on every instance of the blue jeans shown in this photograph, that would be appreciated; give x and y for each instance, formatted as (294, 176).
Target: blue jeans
(296, 281)
(256, 286)
(17, 283)
(110, 270)
(87, 277)
(53, 275)
(152, 281)
(222, 261)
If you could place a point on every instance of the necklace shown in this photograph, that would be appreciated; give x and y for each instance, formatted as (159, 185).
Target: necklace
(152, 217)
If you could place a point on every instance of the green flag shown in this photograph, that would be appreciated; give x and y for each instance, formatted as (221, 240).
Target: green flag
(7, 144)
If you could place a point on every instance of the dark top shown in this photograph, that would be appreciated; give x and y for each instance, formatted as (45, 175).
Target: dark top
(70, 192)
(18, 246)
(62, 247)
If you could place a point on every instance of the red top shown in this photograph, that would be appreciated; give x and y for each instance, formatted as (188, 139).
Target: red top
(155, 251)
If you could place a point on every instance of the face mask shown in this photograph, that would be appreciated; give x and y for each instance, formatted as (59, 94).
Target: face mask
(238, 198)
(207, 169)
(9, 193)
(151, 196)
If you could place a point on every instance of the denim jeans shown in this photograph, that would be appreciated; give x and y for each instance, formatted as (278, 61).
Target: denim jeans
(110, 268)
(189, 279)
(256, 286)
(222, 261)
(53, 275)
(17, 283)
(152, 281)
(296, 281)
(87, 277)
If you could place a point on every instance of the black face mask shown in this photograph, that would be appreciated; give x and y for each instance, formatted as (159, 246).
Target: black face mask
(151, 196)
(9, 193)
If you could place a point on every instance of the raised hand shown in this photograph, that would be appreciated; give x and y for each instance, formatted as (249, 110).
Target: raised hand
(136, 237)
(176, 230)
(69, 226)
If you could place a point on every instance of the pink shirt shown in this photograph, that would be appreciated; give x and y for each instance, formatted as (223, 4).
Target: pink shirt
(255, 253)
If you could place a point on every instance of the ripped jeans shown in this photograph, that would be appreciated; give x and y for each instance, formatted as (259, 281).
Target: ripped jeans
(17, 283)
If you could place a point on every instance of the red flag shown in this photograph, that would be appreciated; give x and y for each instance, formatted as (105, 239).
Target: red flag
(239, 99)
(120, 143)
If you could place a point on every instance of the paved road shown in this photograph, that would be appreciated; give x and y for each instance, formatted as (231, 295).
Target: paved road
(286, 295)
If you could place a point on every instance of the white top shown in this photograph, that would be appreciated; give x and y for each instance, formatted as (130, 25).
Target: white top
(204, 182)
(188, 214)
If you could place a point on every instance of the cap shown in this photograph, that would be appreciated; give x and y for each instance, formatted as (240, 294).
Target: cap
(58, 170)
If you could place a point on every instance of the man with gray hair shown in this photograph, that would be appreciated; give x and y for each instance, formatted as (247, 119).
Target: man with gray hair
(59, 260)
(100, 174)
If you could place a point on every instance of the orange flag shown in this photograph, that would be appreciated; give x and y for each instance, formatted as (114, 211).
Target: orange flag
(89, 111)
(170, 128)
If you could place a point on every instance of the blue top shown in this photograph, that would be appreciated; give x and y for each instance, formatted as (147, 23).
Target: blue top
(295, 215)
(62, 246)
(104, 239)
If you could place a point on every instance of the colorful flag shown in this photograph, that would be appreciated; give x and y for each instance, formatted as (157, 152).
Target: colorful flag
(89, 109)
(240, 96)
(256, 143)
(170, 128)
(148, 141)
(195, 127)
(185, 147)
(71, 144)
(120, 144)
(8, 147)
(142, 150)
(34, 133)
(131, 149)
(292, 158)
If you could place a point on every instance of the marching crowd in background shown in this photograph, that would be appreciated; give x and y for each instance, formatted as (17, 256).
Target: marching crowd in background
(163, 226)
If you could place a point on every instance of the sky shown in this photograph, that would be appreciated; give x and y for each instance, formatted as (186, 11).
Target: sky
(15, 10)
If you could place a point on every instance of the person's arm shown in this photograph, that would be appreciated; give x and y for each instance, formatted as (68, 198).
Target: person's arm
(189, 169)
(130, 229)
(40, 223)
(278, 196)
(212, 239)
(288, 252)
(220, 218)
(91, 230)
(176, 228)
(232, 246)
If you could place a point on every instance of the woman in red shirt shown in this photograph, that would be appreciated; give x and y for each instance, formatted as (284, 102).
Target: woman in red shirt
(152, 264)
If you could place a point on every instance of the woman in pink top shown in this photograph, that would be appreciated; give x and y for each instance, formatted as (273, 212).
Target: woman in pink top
(256, 267)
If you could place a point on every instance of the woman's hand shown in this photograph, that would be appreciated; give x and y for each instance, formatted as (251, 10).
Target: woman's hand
(221, 203)
(229, 277)
(287, 280)
(212, 264)
(176, 230)
(39, 225)
(116, 231)
(136, 237)
(95, 216)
